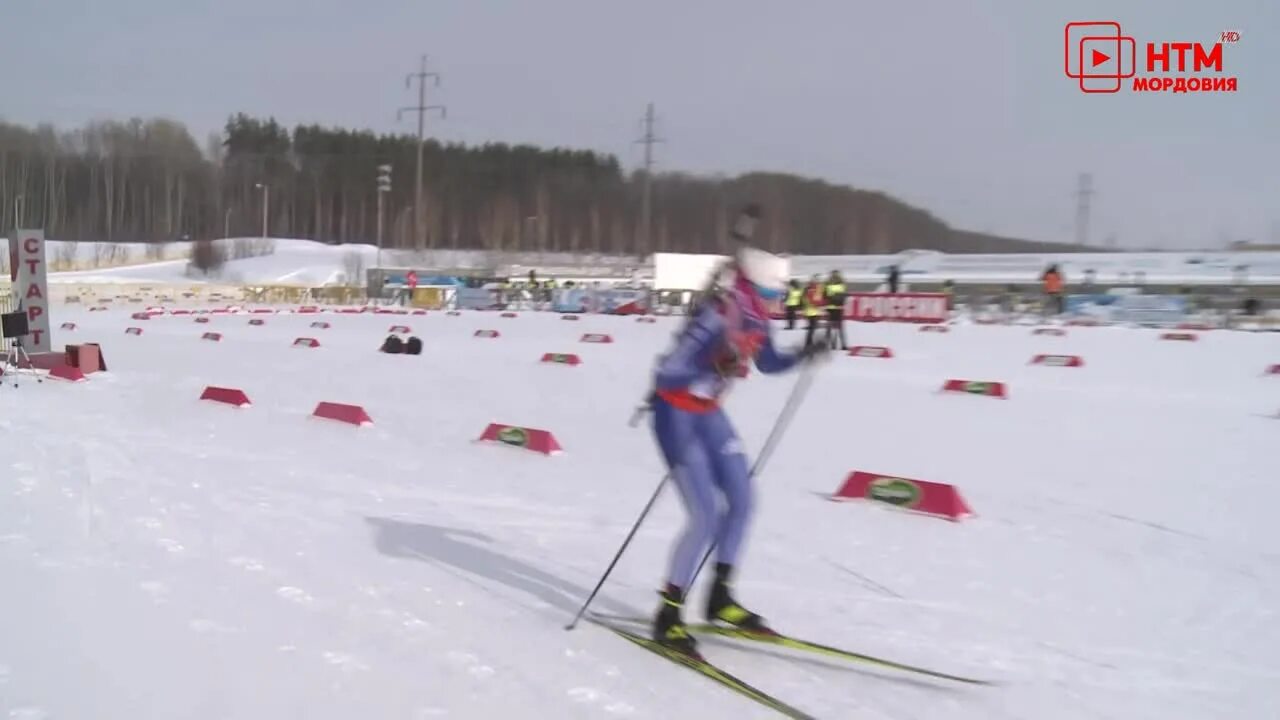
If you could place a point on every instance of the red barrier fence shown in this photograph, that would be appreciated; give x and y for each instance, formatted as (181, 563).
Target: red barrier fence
(901, 307)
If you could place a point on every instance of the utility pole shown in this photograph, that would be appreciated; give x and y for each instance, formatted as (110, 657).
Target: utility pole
(1084, 196)
(384, 187)
(266, 206)
(422, 108)
(646, 198)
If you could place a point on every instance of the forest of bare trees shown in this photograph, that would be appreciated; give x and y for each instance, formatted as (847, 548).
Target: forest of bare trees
(150, 181)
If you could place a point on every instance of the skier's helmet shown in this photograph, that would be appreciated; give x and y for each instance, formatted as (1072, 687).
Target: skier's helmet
(767, 273)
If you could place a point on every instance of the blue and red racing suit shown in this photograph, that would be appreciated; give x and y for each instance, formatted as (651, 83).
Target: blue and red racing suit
(698, 443)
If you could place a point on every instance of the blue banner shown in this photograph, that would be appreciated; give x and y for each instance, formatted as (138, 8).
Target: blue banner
(476, 298)
(623, 300)
(401, 278)
(1137, 309)
(1152, 309)
(1098, 306)
(577, 300)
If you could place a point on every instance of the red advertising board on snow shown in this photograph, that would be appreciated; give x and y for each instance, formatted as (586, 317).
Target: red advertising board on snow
(539, 441)
(870, 351)
(901, 307)
(922, 496)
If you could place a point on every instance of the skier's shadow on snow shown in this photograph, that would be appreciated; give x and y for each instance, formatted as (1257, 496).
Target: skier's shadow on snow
(461, 549)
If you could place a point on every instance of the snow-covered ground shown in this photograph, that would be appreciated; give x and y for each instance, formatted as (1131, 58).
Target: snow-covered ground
(104, 254)
(167, 558)
(293, 262)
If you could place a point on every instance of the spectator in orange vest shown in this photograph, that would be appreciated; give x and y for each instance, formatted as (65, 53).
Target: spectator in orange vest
(1053, 284)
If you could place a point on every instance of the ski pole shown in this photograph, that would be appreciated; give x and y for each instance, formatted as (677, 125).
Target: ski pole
(618, 556)
(798, 392)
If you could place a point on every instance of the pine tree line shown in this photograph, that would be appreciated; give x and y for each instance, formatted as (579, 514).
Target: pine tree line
(149, 181)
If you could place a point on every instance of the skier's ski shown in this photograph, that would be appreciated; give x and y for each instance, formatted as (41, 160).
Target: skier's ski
(794, 643)
(710, 671)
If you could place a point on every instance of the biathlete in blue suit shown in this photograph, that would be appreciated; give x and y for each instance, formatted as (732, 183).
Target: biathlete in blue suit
(705, 458)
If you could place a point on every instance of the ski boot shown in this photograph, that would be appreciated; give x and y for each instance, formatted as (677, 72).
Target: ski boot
(723, 609)
(669, 629)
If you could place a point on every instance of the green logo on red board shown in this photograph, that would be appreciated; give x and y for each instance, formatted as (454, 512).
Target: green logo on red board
(513, 436)
(977, 387)
(895, 491)
(560, 358)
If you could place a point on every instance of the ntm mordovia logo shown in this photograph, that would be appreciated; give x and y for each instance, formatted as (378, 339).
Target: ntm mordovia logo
(1104, 60)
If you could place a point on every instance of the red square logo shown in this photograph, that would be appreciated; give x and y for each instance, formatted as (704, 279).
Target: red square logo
(1094, 53)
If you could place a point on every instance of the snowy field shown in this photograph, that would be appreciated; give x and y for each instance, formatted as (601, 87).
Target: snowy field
(293, 262)
(290, 262)
(164, 557)
(104, 255)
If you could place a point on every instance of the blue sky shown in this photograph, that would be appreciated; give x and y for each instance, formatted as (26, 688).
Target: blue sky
(960, 106)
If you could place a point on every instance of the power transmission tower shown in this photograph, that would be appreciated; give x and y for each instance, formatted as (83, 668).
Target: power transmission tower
(422, 108)
(384, 187)
(646, 198)
(1084, 197)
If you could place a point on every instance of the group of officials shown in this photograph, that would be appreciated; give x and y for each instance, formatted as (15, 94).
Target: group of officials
(818, 300)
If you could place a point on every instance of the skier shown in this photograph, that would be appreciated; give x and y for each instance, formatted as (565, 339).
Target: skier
(700, 447)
